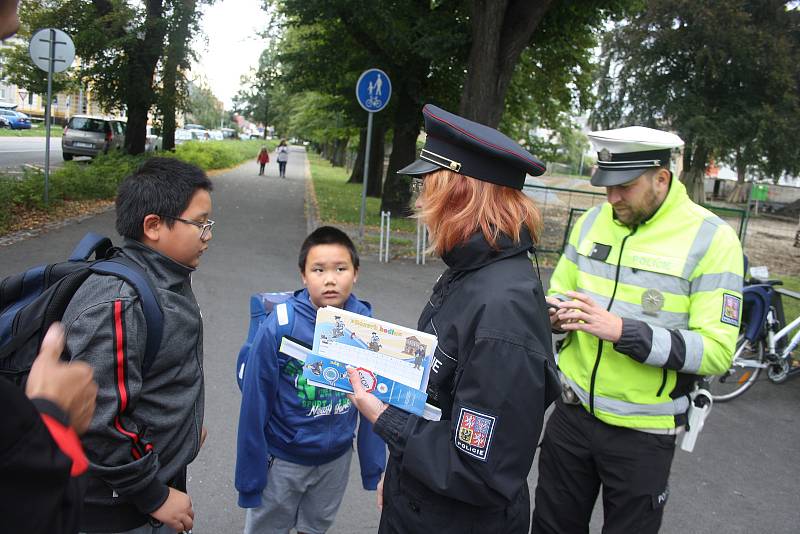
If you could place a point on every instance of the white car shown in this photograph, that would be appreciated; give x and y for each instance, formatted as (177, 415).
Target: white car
(153, 142)
(181, 136)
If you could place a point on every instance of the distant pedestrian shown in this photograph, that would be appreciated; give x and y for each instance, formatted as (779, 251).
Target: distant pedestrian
(262, 159)
(283, 157)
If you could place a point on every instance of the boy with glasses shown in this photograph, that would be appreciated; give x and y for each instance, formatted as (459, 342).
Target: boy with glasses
(146, 429)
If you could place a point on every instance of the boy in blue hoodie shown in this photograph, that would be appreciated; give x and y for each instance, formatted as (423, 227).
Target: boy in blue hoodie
(295, 440)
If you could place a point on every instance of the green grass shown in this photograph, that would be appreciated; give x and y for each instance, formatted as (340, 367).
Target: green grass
(340, 202)
(36, 131)
(791, 307)
(100, 178)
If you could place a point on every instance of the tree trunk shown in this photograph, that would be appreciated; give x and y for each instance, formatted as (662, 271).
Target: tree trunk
(143, 57)
(339, 152)
(176, 54)
(407, 121)
(266, 117)
(501, 29)
(374, 184)
(357, 176)
(694, 171)
(375, 179)
(741, 191)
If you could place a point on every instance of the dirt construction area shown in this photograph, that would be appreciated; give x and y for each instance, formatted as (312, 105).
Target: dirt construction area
(770, 242)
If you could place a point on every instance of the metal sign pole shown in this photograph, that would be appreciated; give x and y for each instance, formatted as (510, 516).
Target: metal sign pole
(48, 114)
(366, 175)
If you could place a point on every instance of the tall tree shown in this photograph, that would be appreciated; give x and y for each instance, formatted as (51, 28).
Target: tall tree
(501, 30)
(183, 22)
(141, 53)
(719, 72)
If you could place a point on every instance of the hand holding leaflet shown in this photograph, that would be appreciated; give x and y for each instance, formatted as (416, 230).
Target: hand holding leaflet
(393, 361)
(369, 405)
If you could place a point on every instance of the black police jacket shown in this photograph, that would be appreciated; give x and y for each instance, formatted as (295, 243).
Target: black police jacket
(492, 375)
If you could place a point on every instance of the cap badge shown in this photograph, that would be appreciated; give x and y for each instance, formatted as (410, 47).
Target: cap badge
(652, 301)
(604, 155)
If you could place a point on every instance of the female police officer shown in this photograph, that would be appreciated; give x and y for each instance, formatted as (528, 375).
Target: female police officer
(493, 372)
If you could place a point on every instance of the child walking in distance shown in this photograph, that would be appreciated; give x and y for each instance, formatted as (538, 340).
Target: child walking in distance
(295, 441)
(283, 158)
(262, 159)
(148, 423)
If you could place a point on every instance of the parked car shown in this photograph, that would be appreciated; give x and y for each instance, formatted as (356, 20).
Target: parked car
(153, 142)
(16, 120)
(86, 135)
(183, 135)
(229, 133)
(216, 135)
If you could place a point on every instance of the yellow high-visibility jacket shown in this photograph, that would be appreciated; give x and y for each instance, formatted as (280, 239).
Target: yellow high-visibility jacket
(676, 281)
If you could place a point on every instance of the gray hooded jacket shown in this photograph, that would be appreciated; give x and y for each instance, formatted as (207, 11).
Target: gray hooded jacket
(145, 430)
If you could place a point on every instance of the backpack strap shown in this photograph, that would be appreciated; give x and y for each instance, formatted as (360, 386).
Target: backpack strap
(126, 269)
(91, 243)
(284, 314)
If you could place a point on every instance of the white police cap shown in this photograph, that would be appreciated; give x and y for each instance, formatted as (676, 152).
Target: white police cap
(625, 154)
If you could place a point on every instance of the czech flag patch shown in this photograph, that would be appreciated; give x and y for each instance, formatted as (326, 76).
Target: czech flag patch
(731, 309)
(474, 433)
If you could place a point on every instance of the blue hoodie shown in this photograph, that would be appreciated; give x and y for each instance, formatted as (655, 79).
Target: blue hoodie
(282, 416)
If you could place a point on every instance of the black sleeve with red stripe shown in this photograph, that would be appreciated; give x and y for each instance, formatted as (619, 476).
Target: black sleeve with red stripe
(41, 466)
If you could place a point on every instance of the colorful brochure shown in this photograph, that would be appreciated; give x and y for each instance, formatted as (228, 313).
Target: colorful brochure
(393, 361)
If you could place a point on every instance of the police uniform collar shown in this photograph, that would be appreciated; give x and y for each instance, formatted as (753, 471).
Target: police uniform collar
(476, 252)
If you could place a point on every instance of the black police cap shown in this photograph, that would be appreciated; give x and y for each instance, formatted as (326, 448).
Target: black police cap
(472, 149)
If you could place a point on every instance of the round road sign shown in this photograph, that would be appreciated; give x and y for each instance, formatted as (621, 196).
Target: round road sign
(373, 90)
(63, 51)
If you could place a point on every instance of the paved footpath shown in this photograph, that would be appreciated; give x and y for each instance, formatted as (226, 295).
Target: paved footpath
(742, 477)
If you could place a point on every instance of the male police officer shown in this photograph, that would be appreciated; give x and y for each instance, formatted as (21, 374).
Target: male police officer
(649, 293)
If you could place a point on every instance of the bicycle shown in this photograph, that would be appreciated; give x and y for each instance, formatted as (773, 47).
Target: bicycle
(762, 343)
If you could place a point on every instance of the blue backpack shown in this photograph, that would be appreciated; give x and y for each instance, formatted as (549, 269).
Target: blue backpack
(33, 300)
(261, 306)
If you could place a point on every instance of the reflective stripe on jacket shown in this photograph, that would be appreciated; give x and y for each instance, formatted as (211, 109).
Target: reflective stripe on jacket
(676, 280)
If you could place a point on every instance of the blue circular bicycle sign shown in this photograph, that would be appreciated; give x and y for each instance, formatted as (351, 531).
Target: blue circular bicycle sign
(373, 90)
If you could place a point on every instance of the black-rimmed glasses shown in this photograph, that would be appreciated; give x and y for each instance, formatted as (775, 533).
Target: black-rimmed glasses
(205, 228)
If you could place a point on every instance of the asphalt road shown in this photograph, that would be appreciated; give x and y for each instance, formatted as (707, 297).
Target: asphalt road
(17, 151)
(742, 477)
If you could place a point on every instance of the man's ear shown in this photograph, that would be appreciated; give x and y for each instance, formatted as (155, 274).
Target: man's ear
(152, 226)
(663, 176)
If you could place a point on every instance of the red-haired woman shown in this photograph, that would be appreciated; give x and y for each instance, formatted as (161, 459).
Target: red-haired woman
(493, 373)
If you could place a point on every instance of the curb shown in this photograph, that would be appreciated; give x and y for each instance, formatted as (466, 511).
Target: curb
(311, 207)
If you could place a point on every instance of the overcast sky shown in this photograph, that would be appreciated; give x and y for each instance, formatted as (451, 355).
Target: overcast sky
(233, 46)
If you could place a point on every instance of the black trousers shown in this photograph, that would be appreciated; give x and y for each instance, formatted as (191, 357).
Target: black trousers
(578, 454)
(409, 507)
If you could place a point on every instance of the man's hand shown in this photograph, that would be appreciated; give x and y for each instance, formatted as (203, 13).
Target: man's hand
(203, 435)
(379, 492)
(368, 404)
(69, 385)
(586, 315)
(176, 512)
(555, 318)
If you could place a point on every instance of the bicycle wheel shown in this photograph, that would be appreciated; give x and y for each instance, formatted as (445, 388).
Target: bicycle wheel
(742, 374)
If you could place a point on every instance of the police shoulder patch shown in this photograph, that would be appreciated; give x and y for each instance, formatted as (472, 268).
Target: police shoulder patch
(474, 431)
(731, 309)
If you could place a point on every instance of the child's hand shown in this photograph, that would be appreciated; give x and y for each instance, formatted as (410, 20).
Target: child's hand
(176, 512)
(368, 404)
(379, 492)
